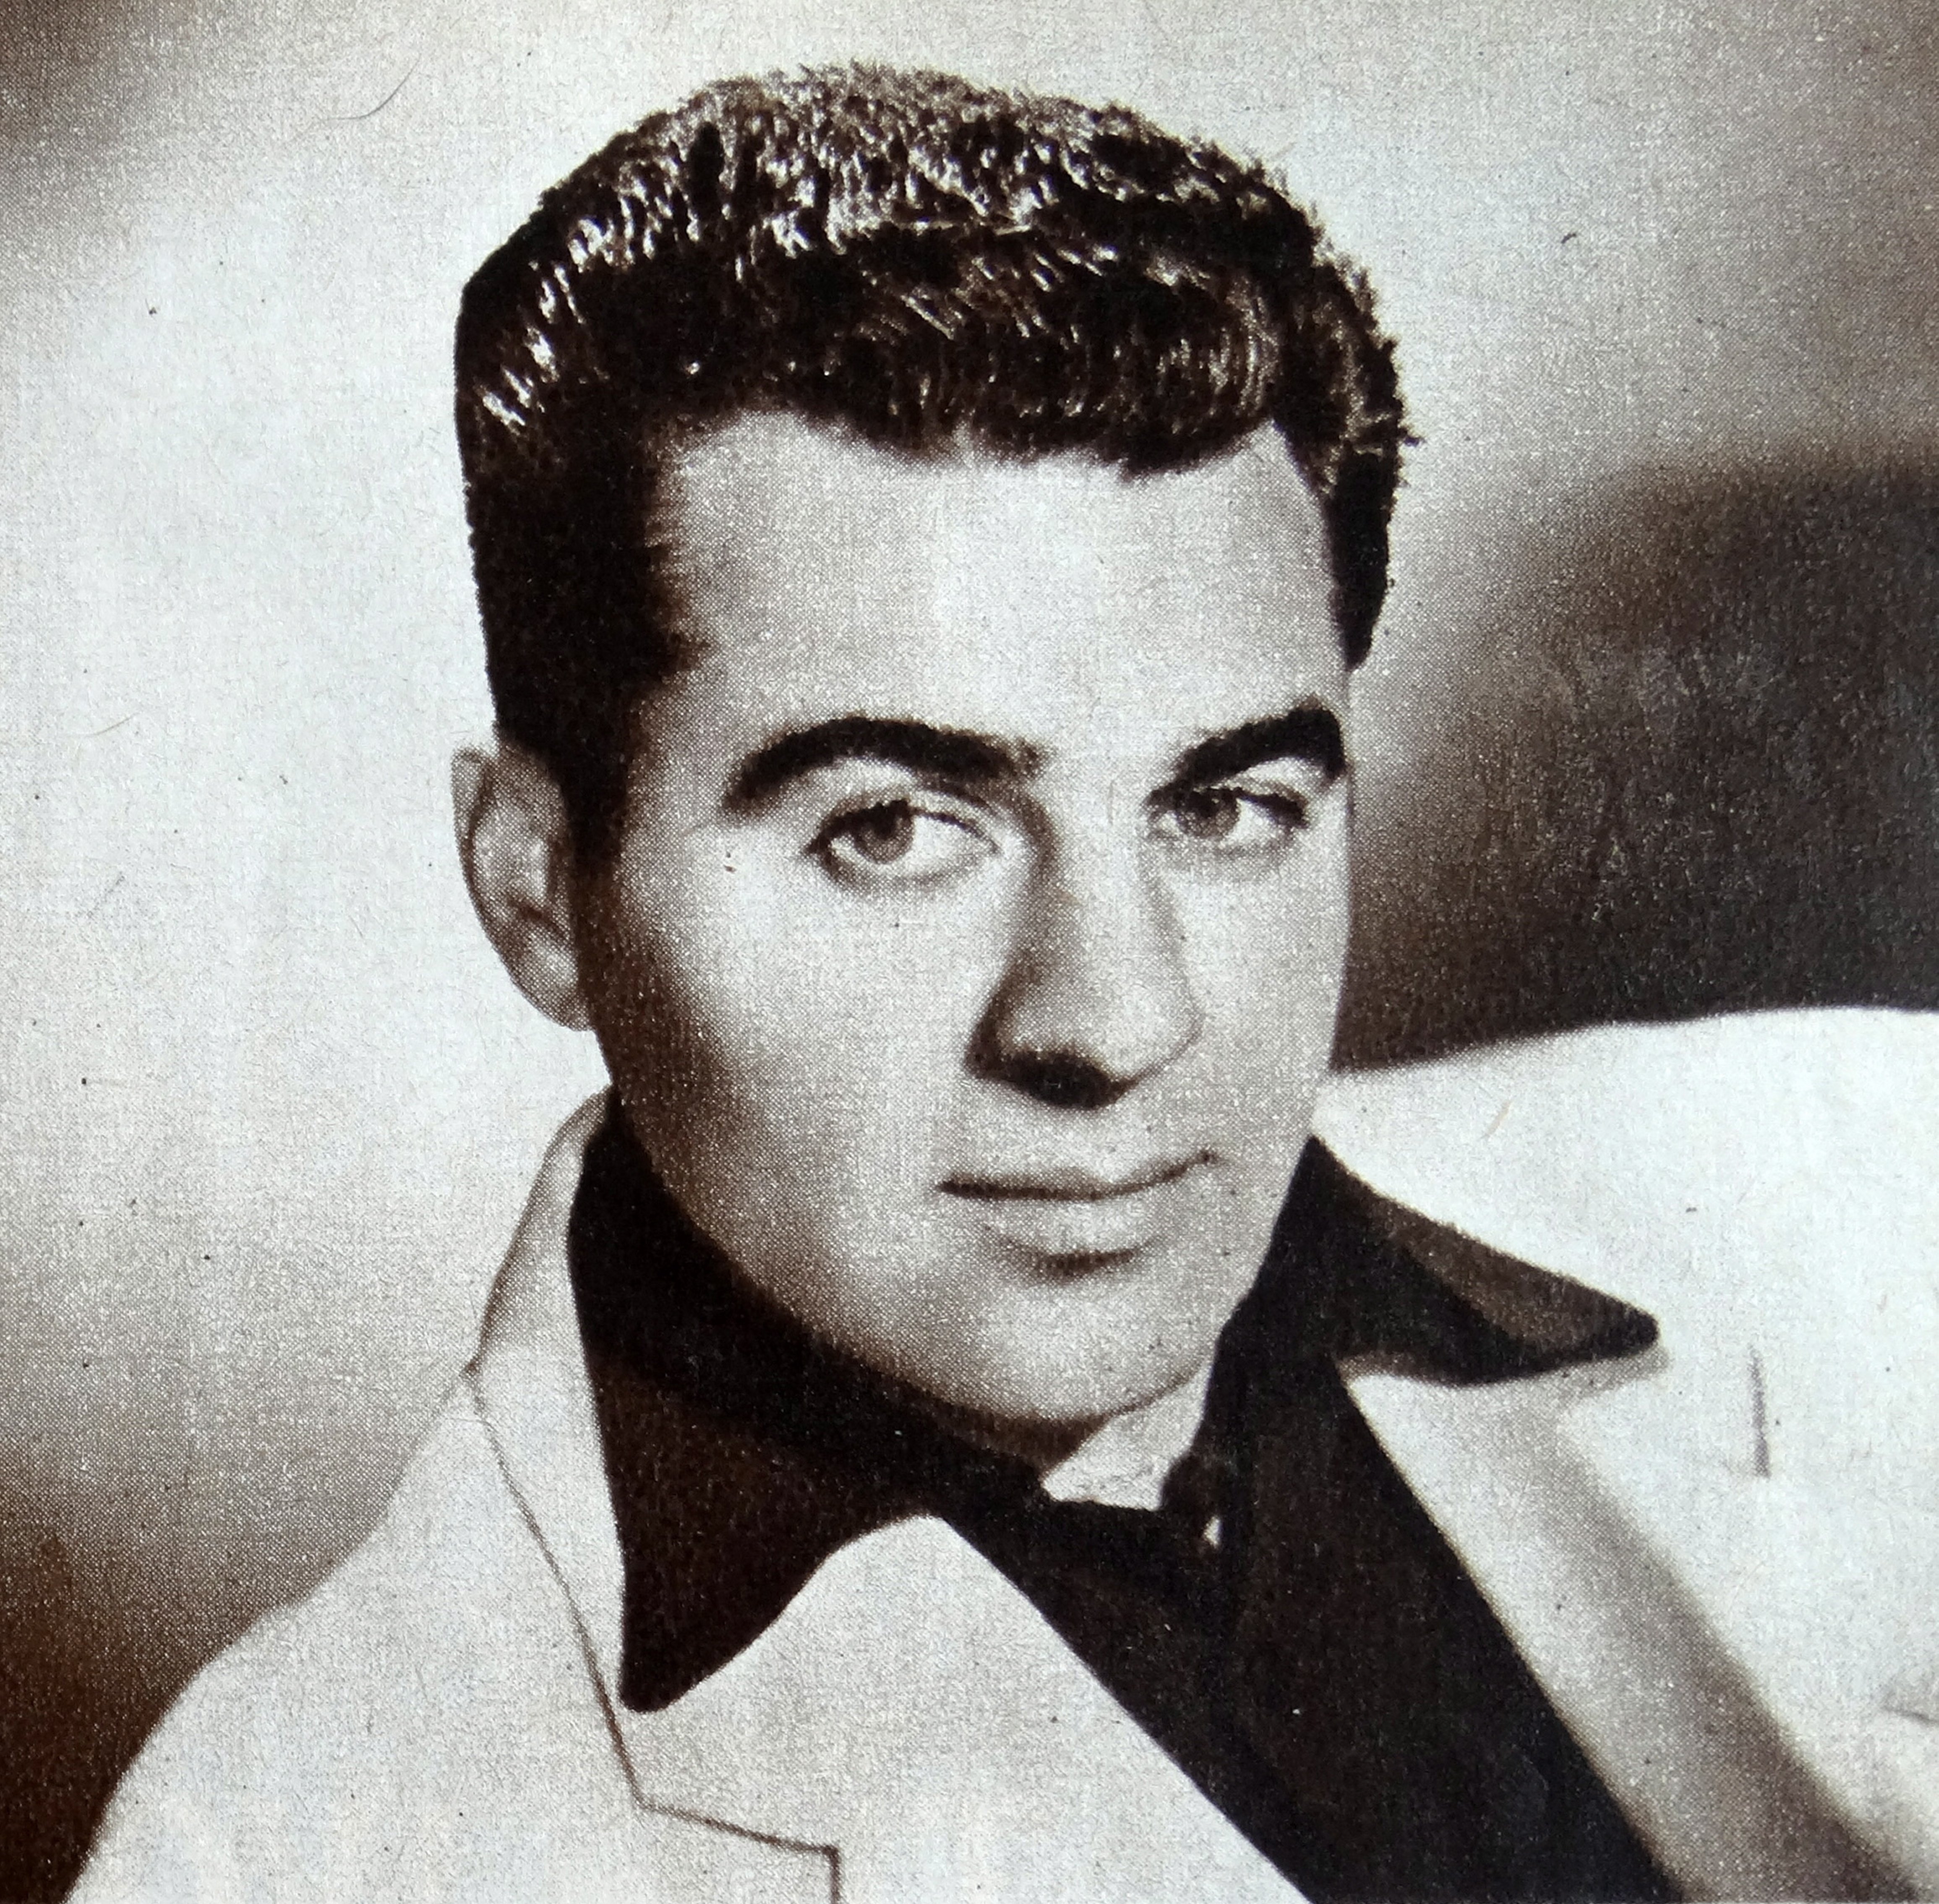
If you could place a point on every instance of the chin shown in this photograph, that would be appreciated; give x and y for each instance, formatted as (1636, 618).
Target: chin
(1046, 1373)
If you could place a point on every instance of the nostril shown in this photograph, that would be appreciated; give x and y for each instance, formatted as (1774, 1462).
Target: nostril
(1069, 1083)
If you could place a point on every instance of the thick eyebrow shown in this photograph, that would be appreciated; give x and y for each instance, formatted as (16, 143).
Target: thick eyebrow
(1310, 733)
(938, 753)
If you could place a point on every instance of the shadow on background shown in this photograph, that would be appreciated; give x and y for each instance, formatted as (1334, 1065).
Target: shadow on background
(1694, 767)
(78, 1692)
(50, 52)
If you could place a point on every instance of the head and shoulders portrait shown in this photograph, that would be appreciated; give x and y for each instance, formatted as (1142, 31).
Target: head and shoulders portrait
(979, 1403)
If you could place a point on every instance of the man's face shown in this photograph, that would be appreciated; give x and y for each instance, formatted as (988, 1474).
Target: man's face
(970, 959)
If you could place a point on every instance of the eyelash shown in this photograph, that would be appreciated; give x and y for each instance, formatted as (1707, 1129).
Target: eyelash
(845, 821)
(1290, 810)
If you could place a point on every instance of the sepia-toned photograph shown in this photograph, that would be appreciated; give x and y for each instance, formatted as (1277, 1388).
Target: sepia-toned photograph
(971, 953)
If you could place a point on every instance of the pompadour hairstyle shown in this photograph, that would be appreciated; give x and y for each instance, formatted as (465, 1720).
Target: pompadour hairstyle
(919, 261)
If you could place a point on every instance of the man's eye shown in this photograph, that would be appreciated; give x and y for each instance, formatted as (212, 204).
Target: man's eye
(897, 840)
(1231, 818)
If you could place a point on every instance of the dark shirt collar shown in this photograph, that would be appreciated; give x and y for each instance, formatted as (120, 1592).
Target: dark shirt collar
(742, 1449)
(741, 1452)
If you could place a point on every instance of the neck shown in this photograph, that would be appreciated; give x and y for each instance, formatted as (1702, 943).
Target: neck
(1121, 1460)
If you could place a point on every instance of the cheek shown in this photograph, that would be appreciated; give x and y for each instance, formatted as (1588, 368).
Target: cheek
(753, 1019)
(1266, 967)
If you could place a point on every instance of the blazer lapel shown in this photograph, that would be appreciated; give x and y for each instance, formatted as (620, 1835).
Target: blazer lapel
(912, 1717)
(529, 1379)
(1616, 1635)
(909, 1717)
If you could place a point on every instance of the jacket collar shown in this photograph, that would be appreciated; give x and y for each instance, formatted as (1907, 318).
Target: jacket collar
(1595, 1610)
(1436, 1305)
(529, 1376)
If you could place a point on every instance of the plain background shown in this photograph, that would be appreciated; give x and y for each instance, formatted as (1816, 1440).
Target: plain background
(1652, 714)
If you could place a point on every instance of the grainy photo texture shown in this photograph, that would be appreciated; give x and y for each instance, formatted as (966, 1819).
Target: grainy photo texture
(1204, 747)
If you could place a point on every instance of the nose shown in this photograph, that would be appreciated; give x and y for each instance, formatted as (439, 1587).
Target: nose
(1095, 997)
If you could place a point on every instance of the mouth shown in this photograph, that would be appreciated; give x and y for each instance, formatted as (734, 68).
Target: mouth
(1072, 1186)
(1078, 1217)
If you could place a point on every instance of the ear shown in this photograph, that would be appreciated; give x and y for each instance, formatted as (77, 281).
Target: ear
(516, 851)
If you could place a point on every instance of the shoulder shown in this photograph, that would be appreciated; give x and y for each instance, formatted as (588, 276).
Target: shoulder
(333, 1745)
(1761, 1186)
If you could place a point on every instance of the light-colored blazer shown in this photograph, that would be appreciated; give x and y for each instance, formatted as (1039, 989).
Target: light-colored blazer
(438, 1719)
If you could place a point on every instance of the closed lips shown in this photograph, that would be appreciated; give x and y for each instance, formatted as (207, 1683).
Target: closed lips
(1072, 1186)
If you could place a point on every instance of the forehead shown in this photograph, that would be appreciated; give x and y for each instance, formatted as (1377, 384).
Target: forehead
(821, 575)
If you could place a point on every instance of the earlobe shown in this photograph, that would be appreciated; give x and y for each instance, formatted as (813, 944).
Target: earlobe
(515, 847)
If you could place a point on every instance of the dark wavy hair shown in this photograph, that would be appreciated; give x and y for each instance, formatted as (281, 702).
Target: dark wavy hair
(921, 262)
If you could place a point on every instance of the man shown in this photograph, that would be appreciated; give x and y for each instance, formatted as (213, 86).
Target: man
(922, 537)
